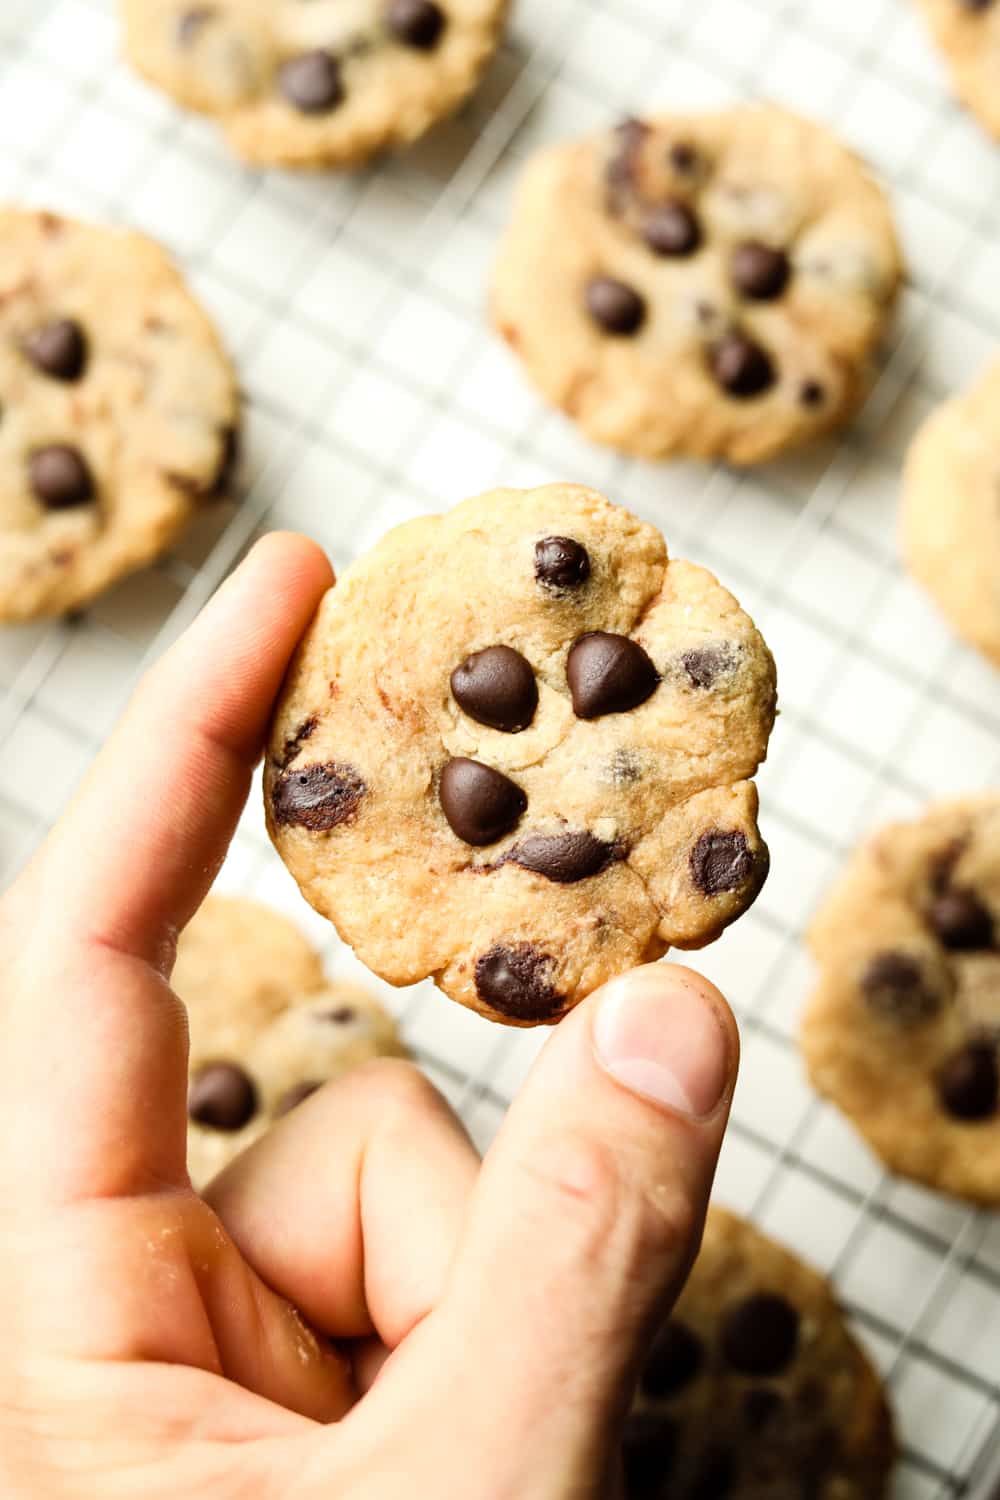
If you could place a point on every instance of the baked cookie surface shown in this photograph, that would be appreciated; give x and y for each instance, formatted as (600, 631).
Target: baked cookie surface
(321, 84)
(755, 1387)
(514, 749)
(903, 1031)
(968, 34)
(712, 285)
(950, 516)
(119, 409)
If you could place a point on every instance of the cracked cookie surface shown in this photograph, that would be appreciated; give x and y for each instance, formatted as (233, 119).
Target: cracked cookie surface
(968, 34)
(118, 409)
(903, 1031)
(712, 285)
(323, 84)
(513, 752)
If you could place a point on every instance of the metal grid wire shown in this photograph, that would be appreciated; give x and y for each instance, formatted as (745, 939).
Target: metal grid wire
(354, 306)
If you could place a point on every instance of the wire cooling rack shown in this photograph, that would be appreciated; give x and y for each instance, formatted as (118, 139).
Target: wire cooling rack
(354, 306)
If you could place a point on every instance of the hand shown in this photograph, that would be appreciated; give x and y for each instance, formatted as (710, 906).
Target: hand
(471, 1332)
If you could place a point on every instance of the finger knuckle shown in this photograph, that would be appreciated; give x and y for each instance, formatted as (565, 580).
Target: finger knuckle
(400, 1088)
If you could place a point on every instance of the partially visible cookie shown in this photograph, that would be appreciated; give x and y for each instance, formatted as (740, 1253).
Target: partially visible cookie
(968, 33)
(323, 84)
(951, 511)
(119, 409)
(707, 284)
(903, 1031)
(755, 1388)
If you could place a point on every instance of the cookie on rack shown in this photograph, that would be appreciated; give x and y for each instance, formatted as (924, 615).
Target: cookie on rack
(968, 34)
(755, 1386)
(950, 513)
(514, 752)
(119, 406)
(324, 84)
(903, 1031)
(267, 1027)
(713, 285)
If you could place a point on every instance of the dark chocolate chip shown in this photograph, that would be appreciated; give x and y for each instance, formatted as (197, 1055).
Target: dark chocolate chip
(318, 797)
(59, 477)
(222, 1096)
(761, 1405)
(721, 861)
(704, 665)
(415, 23)
(671, 229)
(608, 674)
(812, 393)
(192, 21)
(58, 349)
(341, 1015)
(294, 742)
(481, 804)
(312, 82)
(649, 1448)
(676, 1359)
(968, 1083)
(741, 367)
(759, 271)
(977, 6)
(496, 687)
(961, 920)
(515, 981)
(715, 1476)
(563, 857)
(621, 169)
(897, 989)
(298, 1094)
(760, 1335)
(615, 307)
(561, 563)
(683, 157)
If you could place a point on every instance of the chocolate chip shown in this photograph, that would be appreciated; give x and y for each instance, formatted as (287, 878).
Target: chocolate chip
(59, 477)
(341, 1015)
(671, 229)
(192, 21)
(298, 1094)
(704, 665)
(683, 157)
(715, 1475)
(625, 768)
(561, 563)
(608, 674)
(415, 23)
(222, 1096)
(293, 744)
(759, 271)
(514, 979)
(318, 797)
(58, 349)
(761, 1405)
(740, 366)
(897, 989)
(760, 1335)
(676, 1358)
(961, 921)
(615, 307)
(481, 804)
(968, 1083)
(812, 393)
(496, 687)
(977, 6)
(311, 82)
(622, 167)
(563, 857)
(721, 861)
(649, 1448)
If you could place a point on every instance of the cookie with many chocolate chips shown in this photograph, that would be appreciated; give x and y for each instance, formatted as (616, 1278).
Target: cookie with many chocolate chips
(903, 1031)
(712, 285)
(323, 84)
(968, 34)
(755, 1387)
(514, 749)
(267, 1027)
(951, 511)
(118, 409)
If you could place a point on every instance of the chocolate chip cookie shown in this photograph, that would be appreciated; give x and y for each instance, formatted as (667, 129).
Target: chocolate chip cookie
(903, 1032)
(267, 1028)
(968, 34)
(755, 1387)
(951, 511)
(514, 749)
(323, 84)
(118, 409)
(712, 285)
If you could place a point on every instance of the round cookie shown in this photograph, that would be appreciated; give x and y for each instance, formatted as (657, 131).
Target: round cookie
(755, 1387)
(968, 33)
(119, 409)
(708, 284)
(950, 514)
(513, 752)
(903, 1032)
(323, 84)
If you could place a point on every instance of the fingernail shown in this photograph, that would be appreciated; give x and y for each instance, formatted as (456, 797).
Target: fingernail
(660, 1034)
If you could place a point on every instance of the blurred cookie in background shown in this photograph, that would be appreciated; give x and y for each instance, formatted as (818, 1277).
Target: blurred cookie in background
(968, 34)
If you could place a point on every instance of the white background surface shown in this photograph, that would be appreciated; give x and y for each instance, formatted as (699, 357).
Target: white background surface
(354, 306)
